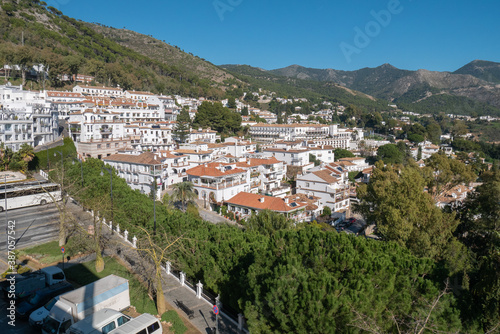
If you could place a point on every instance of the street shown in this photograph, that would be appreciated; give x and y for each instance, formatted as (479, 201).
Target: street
(32, 225)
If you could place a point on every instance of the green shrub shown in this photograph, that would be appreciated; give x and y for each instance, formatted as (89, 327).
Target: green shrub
(178, 326)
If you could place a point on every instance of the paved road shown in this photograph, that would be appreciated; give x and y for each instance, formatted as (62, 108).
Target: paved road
(32, 225)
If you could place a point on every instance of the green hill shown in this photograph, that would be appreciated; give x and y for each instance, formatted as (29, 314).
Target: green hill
(315, 91)
(68, 46)
(485, 70)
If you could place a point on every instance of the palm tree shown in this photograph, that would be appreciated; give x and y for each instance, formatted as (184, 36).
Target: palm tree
(5, 156)
(184, 193)
(26, 154)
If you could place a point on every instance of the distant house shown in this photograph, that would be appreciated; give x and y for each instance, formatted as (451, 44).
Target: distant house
(355, 164)
(244, 204)
(453, 197)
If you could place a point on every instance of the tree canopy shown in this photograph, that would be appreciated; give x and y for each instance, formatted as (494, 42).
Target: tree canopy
(218, 118)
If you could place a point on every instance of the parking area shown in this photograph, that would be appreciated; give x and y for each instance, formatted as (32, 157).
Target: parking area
(352, 225)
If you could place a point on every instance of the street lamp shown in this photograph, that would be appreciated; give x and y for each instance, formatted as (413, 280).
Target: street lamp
(81, 166)
(111, 178)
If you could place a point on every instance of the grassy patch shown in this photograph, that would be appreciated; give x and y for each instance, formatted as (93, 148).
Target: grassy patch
(172, 316)
(50, 252)
(85, 273)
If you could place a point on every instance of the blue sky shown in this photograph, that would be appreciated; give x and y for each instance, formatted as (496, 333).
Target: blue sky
(341, 34)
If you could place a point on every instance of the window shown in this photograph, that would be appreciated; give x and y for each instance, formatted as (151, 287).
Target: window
(307, 184)
(58, 276)
(153, 327)
(142, 332)
(107, 145)
(122, 320)
(98, 145)
(109, 327)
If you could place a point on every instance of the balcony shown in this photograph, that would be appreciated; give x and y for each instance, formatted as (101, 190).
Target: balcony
(221, 185)
(180, 164)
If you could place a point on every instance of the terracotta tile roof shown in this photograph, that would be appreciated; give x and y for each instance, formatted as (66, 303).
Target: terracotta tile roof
(139, 92)
(368, 170)
(283, 150)
(260, 202)
(64, 94)
(257, 162)
(352, 159)
(325, 176)
(146, 158)
(213, 169)
(346, 163)
(104, 88)
(193, 152)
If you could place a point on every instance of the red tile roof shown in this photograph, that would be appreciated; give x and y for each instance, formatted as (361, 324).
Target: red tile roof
(257, 162)
(146, 158)
(260, 202)
(213, 169)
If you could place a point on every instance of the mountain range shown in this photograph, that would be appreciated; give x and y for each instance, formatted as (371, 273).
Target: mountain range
(475, 84)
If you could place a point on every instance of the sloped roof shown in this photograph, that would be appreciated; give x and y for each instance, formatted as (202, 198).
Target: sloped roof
(146, 158)
(325, 176)
(253, 201)
(257, 162)
(213, 169)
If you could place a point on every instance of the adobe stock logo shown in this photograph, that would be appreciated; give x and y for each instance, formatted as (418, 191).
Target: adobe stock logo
(222, 6)
(372, 29)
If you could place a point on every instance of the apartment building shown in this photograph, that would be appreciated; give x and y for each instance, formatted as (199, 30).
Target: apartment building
(266, 176)
(330, 183)
(139, 171)
(26, 118)
(97, 133)
(215, 182)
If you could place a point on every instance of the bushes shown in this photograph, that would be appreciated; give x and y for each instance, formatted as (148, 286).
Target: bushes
(178, 326)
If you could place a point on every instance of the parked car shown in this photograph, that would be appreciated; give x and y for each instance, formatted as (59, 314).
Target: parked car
(100, 322)
(29, 283)
(351, 220)
(41, 297)
(37, 316)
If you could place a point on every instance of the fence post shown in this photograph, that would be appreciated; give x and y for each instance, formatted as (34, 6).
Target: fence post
(125, 235)
(241, 321)
(168, 267)
(111, 225)
(199, 289)
(182, 277)
(134, 242)
(118, 228)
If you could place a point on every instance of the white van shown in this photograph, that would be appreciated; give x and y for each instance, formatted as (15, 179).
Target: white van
(143, 324)
(103, 321)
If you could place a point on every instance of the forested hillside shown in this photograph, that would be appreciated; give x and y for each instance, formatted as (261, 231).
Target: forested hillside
(34, 34)
(297, 88)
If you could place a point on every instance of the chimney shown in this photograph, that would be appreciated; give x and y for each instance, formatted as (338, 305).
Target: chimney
(206, 165)
(286, 200)
(261, 199)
